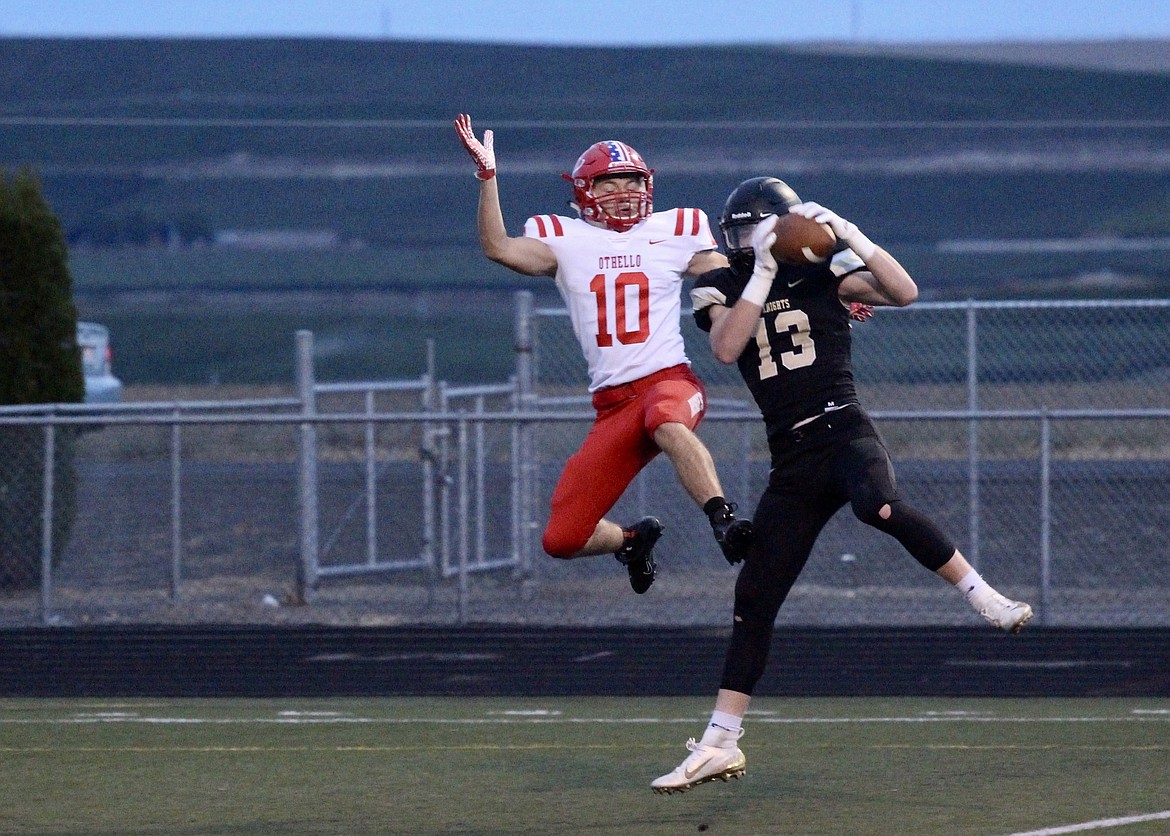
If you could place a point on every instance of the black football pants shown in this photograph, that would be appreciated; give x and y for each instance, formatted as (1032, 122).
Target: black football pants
(840, 458)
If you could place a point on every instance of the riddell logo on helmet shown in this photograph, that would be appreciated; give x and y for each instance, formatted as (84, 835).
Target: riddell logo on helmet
(735, 216)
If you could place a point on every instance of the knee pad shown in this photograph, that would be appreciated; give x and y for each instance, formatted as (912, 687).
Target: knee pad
(753, 614)
(747, 657)
(917, 533)
(868, 503)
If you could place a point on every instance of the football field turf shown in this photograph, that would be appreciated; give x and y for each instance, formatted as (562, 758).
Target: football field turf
(580, 765)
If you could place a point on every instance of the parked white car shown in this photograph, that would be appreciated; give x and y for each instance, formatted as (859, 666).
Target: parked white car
(101, 386)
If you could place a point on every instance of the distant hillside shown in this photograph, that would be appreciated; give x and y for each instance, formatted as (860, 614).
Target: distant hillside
(168, 142)
(154, 151)
(1130, 56)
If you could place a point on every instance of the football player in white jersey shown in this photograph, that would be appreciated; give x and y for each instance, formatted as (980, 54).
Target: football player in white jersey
(619, 267)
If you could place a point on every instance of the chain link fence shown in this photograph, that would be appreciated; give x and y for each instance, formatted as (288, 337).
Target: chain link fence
(1036, 434)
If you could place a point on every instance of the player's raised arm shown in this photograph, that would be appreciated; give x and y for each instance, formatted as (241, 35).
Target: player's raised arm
(524, 255)
(731, 328)
(884, 281)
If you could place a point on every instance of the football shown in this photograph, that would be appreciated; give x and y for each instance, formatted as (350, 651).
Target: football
(800, 240)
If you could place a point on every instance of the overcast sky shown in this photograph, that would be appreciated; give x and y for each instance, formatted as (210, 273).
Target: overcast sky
(616, 22)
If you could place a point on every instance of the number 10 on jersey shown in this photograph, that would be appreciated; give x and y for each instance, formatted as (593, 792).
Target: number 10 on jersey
(629, 290)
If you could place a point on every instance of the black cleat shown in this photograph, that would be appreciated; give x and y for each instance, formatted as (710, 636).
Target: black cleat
(636, 554)
(733, 535)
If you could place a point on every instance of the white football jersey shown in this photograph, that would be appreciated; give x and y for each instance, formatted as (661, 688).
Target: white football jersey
(623, 289)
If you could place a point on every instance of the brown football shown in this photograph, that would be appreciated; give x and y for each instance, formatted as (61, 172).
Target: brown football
(800, 240)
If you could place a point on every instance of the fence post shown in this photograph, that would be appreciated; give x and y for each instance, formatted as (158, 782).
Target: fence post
(370, 449)
(48, 489)
(1045, 515)
(445, 482)
(973, 434)
(517, 463)
(428, 455)
(525, 475)
(176, 505)
(307, 576)
(480, 483)
(464, 512)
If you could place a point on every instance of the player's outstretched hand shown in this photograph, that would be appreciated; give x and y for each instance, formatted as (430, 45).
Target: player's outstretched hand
(759, 284)
(763, 237)
(483, 153)
(860, 311)
(844, 230)
(814, 211)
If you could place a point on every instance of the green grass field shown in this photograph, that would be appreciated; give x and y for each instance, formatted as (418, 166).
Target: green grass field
(580, 765)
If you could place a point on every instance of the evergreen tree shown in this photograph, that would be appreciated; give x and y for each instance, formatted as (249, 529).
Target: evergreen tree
(40, 362)
(39, 358)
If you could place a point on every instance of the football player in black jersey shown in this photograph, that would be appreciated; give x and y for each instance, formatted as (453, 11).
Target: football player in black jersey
(787, 327)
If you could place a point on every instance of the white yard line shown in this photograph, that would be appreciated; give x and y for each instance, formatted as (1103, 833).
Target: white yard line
(546, 717)
(1095, 825)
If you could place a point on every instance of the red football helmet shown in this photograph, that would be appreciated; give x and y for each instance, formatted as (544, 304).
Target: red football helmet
(619, 211)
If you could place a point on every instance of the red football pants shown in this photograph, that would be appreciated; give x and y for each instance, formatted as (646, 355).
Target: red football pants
(619, 444)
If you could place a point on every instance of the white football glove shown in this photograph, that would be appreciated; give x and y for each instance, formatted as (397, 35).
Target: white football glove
(760, 284)
(763, 237)
(843, 229)
(484, 153)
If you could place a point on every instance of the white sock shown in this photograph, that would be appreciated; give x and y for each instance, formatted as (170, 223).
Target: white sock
(723, 730)
(976, 590)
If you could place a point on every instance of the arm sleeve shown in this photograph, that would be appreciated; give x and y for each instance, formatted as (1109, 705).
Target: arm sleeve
(845, 262)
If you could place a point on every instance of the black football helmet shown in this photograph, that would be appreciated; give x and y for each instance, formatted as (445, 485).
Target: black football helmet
(751, 202)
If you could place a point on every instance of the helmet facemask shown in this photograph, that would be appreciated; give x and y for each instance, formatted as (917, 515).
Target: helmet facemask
(737, 238)
(620, 209)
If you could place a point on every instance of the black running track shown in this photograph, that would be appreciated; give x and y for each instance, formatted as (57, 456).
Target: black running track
(318, 661)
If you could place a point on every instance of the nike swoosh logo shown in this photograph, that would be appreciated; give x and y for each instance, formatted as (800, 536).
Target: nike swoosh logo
(659, 241)
(798, 281)
(691, 773)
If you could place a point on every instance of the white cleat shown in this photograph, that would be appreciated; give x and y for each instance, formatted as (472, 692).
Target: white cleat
(1006, 614)
(705, 763)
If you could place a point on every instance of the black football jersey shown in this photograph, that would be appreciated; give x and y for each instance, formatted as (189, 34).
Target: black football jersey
(799, 363)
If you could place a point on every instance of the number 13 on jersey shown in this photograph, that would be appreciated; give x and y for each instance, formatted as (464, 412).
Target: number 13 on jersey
(790, 327)
(617, 299)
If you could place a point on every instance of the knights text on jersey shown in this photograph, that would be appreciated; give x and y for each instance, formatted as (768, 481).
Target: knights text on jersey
(623, 289)
(799, 364)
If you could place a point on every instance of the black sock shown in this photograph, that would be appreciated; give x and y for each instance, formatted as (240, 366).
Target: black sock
(714, 505)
